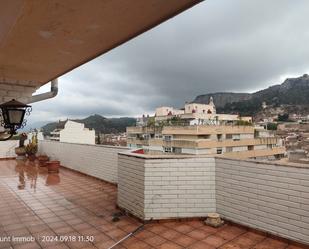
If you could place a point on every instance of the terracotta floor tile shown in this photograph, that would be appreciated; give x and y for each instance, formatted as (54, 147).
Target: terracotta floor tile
(105, 244)
(130, 228)
(297, 247)
(231, 245)
(19, 232)
(184, 228)
(58, 246)
(247, 240)
(157, 228)
(144, 234)
(84, 206)
(155, 241)
(129, 241)
(32, 245)
(169, 245)
(116, 234)
(184, 240)
(170, 234)
(138, 245)
(63, 230)
(256, 237)
(230, 232)
(195, 223)
(270, 243)
(214, 240)
(209, 229)
(201, 245)
(198, 234)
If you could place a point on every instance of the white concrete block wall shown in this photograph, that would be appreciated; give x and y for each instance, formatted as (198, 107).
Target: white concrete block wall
(96, 160)
(7, 148)
(166, 188)
(270, 197)
(131, 171)
(179, 188)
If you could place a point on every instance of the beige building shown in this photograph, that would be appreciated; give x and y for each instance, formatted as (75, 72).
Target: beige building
(232, 141)
(198, 129)
(197, 114)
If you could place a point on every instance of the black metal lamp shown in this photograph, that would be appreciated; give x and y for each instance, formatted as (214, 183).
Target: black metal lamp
(13, 113)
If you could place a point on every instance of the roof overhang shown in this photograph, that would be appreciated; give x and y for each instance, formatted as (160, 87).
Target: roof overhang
(42, 40)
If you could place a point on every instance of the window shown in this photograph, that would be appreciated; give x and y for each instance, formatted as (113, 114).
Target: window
(229, 136)
(219, 137)
(177, 150)
(168, 138)
(250, 147)
(167, 149)
(229, 149)
(146, 136)
(219, 150)
(158, 136)
(236, 137)
(204, 136)
(269, 146)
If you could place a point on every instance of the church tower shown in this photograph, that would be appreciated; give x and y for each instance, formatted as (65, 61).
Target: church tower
(211, 103)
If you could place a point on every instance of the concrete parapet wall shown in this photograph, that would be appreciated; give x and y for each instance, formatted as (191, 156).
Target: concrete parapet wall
(266, 196)
(162, 188)
(7, 148)
(95, 160)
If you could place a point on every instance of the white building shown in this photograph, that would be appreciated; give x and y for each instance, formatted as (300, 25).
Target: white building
(73, 132)
(198, 114)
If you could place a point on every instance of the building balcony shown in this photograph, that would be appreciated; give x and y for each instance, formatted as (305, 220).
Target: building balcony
(140, 130)
(207, 129)
(206, 143)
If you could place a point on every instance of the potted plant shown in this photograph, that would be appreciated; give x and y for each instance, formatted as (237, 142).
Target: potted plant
(43, 159)
(53, 166)
(32, 148)
(21, 149)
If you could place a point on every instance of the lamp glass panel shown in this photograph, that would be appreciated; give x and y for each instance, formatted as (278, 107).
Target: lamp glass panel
(16, 116)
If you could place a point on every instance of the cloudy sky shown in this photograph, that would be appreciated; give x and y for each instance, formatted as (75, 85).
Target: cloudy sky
(218, 45)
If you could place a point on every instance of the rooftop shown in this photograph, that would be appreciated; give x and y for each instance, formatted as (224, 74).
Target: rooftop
(36, 203)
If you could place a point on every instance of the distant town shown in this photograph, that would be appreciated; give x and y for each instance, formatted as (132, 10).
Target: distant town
(198, 129)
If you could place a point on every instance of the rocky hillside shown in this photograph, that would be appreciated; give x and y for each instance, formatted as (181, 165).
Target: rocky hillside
(222, 98)
(99, 124)
(293, 91)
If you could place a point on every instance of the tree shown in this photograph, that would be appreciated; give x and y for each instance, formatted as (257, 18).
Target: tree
(271, 126)
(284, 117)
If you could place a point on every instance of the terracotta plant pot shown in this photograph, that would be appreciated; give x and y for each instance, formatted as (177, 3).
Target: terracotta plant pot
(43, 159)
(53, 166)
(31, 157)
(52, 179)
(20, 152)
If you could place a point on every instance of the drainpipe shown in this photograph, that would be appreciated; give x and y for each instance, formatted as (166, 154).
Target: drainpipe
(53, 92)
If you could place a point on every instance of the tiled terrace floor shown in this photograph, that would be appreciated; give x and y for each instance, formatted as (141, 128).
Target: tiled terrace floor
(71, 204)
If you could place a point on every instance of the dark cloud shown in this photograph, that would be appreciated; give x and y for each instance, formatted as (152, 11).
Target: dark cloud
(219, 45)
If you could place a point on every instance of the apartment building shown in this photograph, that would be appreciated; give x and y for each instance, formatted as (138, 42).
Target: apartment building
(197, 114)
(205, 133)
(72, 132)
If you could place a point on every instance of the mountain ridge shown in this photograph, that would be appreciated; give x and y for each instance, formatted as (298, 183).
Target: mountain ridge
(293, 91)
(99, 123)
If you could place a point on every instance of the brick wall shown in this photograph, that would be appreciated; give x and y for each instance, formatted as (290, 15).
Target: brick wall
(266, 196)
(162, 188)
(96, 160)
